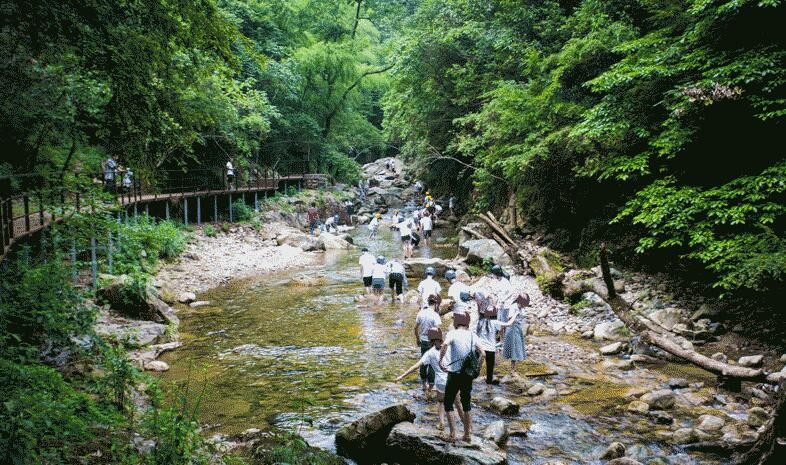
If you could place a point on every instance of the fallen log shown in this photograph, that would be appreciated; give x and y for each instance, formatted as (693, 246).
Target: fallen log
(489, 219)
(658, 338)
(472, 232)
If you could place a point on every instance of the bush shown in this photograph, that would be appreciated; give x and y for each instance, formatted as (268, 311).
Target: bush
(141, 244)
(209, 230)
(241, 211)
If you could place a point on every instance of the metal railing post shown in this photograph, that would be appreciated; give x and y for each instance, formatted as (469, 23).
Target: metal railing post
(109, 252)
(230, 208)
(26, 201)
(93, 262)
(185, 211)
(215, 208)
(199, 211)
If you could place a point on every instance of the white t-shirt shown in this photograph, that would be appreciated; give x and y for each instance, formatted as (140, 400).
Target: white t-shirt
(428, 287)
(230, 169)
(431, 358)
(378, 271)
(461, 307)
(403, 229)
(426, 319)
(395, 266)
(503, 291)
(455, 290)
(459, 343)
(374, 223)
(487, 334)
(367, 262)
(426, 223)
(437, 208)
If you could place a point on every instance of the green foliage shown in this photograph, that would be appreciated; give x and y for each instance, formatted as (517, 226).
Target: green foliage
(141, 244)
(209, 230)
(240, 211)
(292, 449)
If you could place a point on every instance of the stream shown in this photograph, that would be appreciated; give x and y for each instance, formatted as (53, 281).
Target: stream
(305, 355)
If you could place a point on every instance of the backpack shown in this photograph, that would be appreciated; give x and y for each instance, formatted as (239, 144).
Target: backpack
(471, 365)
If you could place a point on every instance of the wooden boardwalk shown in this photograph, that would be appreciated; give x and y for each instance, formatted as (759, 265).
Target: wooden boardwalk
(14, 228)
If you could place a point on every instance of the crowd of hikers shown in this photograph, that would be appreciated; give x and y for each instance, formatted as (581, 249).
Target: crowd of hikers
(485, 320)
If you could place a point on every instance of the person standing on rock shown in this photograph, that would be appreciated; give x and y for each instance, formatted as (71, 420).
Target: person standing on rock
(426, 225)
(460, 342)
(396, 277)
(378, 272)
(426, 319)
(429, 286)
(366, 263)
(431, 360)
(486, 330)
(373, 226)
(514, 347)
(313, 217)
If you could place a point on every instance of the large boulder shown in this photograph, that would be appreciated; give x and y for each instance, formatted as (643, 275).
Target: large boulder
(131, 333)
(416, 267)
(365, 437)
(409, 444)
(331, 242)
(666, 317)
(662, 399)
(610, 331)
(477, 250)
(496, 432)
(136, 301)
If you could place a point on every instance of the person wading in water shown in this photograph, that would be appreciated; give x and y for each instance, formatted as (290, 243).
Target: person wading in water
(431, 359)
(426, 319)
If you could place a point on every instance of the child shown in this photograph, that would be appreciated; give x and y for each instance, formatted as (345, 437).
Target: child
(374, 225)
(514, 347)
(426, 319)
(487, 329)
(431, 359)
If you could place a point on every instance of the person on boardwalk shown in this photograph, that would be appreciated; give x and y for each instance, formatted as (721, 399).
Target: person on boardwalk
(431, 360)
(378, 272)
(486, 330)
(426, 319)
(514, 347)
(396, 277)
(459, 343)
(429, 286)
(313, 217)
(128, 180)
(230, 170)
(111, 168)
(366, 263)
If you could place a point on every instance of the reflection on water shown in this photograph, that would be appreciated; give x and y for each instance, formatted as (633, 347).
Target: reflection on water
(272, 351)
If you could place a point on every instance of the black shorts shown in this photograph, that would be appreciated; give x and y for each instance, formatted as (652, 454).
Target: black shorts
(458, 383)
(406, 239)
(426, 233)
(366, 281)
(396, 280)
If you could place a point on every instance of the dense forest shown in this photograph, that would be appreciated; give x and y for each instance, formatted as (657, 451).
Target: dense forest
(655, 126)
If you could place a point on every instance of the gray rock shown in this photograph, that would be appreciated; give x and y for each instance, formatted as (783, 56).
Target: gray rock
(186, 297)
(328, 241)
(156, 365)
(662, 399)
(757, 416)
(126, 299)
(667, 317)
(199, 303)
(783, 358)
(623, 461)
(409, 444)
(660, 417)
(610, 331)
(366, 436)
(751, 361)
(131, 333)
(684, 436)
(496, 432)
(720, 357)
(504, 406)
(638, 406)
(612, 349)
(536, 390)
(678, 383)
(477, 250)
(710, 423)
(614, 451)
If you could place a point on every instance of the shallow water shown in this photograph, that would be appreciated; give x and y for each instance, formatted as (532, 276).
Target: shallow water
(271, 351)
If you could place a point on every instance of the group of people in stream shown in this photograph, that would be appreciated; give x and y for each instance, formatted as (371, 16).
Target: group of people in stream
(485, 321)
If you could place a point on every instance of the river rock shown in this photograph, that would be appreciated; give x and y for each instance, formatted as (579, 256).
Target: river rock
(757, 416)
(783, 358)
(145, 304)
(614, 451)
(666, 317)
(496, 432)
(684, 436)
(536, 390)
(329, 241)
(660, 417)
(662, 399)
(623, 461)
(609, 331)
(157, 365)
(186, 297)
(751, 361)
(678, 383)
(416, 267)
(132, 333)
(710, 423)
(409, 444)
(504, 406)
(638, 406)
(720, 357)
(477, 250)
(612, 349)
(199, 303)
(367, 435)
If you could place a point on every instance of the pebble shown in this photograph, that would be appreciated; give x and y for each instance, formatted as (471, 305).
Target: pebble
(709, 423)
(157, 365)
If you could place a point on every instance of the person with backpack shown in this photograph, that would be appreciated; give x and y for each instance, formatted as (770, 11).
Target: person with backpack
(426, 319)
(313, 217)
(431, 360)
(460, 357)
(514, 347)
